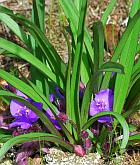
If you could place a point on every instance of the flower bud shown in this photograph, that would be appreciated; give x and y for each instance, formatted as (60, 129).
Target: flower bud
(95, 132)
(63, 117)
(84, 134)
(88, 143)
(79, 150)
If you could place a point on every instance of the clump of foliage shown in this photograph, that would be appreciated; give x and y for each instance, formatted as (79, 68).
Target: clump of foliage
(82, 106)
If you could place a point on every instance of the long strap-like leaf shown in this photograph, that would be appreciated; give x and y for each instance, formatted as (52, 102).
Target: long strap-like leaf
(73, 15)
(75, 80)
(24, 54)
(127, 60)
(34, 137)
(98, 44)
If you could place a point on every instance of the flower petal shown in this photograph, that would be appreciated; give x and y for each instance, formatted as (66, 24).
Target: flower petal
(107, 96)
(50, 115)
(19, 93)
(14, 107)
(93, 108)
(24, 123)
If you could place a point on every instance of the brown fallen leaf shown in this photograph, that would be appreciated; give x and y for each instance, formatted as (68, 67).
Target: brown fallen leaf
(111, 37)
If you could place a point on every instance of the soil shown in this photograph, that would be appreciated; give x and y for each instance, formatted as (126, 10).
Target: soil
(53, 31)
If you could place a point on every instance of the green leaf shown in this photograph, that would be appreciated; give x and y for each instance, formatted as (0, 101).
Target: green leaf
(38, 14)
(135, 76)
(13, 26)
(135, 7)
(19, 85)
(27, 90)
(136, 67)
(34, 137)
(68, 83)
(138, 49)
(73, 16)
(78, 4)
(120, 119)
(98, 44)
(5, 135)
(120, 47)
(24, 54)
(75, 80)
(127, 60)
(134, 96)
(86, 98)
(135, 137)
(112, 67)
(5, 10)
(108, 10)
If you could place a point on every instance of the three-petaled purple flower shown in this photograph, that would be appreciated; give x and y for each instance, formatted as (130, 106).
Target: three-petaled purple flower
(24, 117)
(103, 101)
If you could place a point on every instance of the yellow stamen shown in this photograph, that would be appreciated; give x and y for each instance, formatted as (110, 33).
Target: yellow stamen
(27, 110)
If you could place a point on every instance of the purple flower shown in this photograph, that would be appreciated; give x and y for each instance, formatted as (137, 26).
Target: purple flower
(59, 93)
(51, 116)
(24, 117)
(103, 101)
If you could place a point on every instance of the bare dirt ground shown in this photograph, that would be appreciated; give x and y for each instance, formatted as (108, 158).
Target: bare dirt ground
(53, 14)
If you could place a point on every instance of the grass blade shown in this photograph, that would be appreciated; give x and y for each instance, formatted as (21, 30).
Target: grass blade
(5, 10)
(34, 137)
